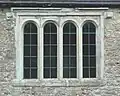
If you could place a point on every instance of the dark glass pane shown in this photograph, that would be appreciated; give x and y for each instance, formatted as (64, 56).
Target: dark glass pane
(65, 61)
(53, 73)
(92, 61)
(73, 73)
(73, 50)
(53, 38)
(92, 39)
(46, 38)
(85, 73)
(85, 61)
(53, 61)
(66, 28)
(53, 28)
(33, 73)
(47, 50)
(85, 28)
(92, 72)
(53, 50)
(27, 28)
(65, 72)
(85, 50)
(27, 39)
(72, 61)
(34, 39)
(92, 28)
(33, 61)
(46, 61)
(47, 28)
(26, 50)
(26, 61)
(73, 39)
(33, 28)
(33, 50)
(65, 38)
(85, 39)
(26, 73)
(92, 50)
(46, 73)
(65, 50)
(73, 28)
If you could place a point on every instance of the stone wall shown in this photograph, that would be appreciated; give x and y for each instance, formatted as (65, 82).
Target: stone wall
(7, 54)
(110, 87)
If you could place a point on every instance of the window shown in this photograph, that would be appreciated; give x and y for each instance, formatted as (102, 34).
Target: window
(89, 50)
(69, 51)
(30, 51)
(50, 46)
(50, 51)
(60, 46)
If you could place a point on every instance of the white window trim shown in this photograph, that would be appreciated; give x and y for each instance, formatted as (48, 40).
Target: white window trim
(40, 17)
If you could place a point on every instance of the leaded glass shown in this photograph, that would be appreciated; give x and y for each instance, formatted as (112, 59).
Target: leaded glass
(89, 50)
(50, 50)
(69, 51)
(30, 51)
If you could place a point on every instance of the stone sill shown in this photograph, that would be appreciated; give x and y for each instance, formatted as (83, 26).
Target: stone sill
(57, 83)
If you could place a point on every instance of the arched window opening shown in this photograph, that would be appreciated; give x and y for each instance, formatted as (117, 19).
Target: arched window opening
(50, 50)
(89, 50)
(30, 51)
(69, 51)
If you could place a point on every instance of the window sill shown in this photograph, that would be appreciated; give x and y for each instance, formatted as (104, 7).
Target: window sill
(57, 83)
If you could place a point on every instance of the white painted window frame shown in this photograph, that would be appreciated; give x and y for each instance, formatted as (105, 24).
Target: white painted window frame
(59, 16)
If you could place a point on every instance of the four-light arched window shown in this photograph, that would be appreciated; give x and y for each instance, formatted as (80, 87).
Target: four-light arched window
(50, 50)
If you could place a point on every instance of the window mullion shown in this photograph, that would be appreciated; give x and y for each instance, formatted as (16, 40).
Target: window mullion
(79, 53)
(60, 52)
(100, 62)
(41, 50)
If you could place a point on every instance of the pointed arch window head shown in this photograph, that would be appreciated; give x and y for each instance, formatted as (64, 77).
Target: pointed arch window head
(30, 51)
(89, 50)
(50, 50)
(69, 51)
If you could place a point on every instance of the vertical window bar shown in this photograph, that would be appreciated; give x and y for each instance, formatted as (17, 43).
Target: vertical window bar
(50, 48)
(69, 48)
(30, 50)
(89, 49)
